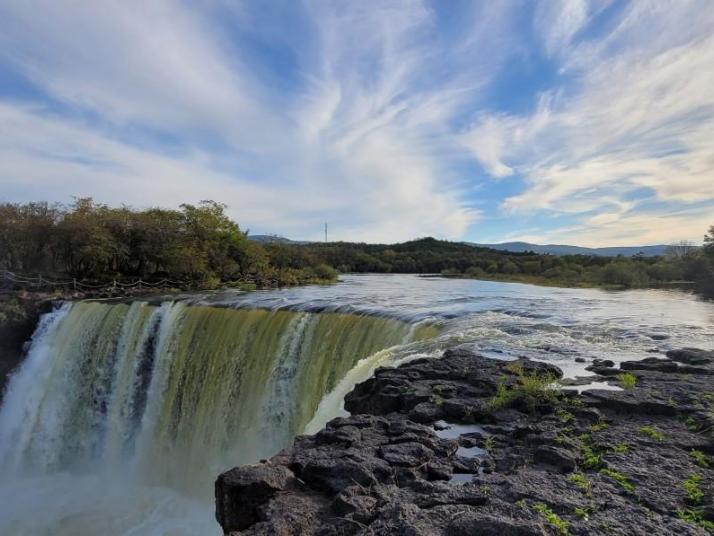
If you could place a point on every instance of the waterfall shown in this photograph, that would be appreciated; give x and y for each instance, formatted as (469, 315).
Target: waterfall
(174, 394)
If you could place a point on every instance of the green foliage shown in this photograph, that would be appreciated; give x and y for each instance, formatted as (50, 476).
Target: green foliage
(582, 482)
(582, 513)
(620, 448)
(619, 478)
(197, 245)
(695, 517)
(701, 459)
(561, 526)
(627, 380)
(488, 444)
(591, 458)
(530, 391)
(564, 415)
(599, 425)
(652, 432)
(693, 490)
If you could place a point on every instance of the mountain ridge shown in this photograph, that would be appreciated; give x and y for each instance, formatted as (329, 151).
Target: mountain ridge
(519, 247)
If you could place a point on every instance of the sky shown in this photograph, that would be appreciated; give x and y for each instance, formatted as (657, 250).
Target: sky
(589, 122)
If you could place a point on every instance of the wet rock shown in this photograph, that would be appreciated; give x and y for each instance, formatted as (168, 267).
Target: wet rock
(691, 356)
(241, 491)
(563, 460)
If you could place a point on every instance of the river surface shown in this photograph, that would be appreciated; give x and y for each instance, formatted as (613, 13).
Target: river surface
(122, 414)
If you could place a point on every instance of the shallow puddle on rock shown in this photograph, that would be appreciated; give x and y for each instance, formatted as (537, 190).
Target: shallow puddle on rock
(458, 479)
(447, 430)
(470, 452)
(592, 385)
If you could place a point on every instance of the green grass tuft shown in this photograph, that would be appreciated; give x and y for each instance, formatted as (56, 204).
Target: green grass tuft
(695, 518)
(561, 526)
(620, 448)
(652, 432)
(582, 482)
(701, 459)
(694, 493)
(619, 478)
(627, 380)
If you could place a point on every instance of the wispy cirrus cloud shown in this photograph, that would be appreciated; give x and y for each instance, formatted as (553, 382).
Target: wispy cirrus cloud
(632, 127)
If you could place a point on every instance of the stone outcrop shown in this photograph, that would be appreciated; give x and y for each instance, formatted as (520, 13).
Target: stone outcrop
(466, 445)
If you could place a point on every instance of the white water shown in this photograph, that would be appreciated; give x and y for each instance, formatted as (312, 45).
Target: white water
(121, 416)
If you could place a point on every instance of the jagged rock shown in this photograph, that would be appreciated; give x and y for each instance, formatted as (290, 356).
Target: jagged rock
(241, 491)
(561, 459)
(384, 470)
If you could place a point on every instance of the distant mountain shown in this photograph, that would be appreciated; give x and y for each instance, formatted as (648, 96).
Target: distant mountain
(273, 239)
(559, 249)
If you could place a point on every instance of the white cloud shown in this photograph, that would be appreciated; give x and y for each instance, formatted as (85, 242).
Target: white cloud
(358, 144)
(639, 115)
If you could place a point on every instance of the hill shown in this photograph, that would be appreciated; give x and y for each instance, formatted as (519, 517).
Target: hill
(563, 249)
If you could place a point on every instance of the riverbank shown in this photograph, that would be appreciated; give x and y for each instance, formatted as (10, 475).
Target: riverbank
(571, 283)
(468, 445)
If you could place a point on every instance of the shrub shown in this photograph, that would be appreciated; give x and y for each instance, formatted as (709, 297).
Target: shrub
(694, 493)
(652, 432)
(560, 525)
(581, 481)
(627, 380)
(619, 478)
(700, 458)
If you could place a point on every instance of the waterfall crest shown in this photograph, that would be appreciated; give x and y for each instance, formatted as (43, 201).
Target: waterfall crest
(174, 394)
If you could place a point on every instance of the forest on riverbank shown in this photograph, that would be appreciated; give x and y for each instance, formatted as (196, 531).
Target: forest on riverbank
(197, 245)
(202, 247)
(683, 264)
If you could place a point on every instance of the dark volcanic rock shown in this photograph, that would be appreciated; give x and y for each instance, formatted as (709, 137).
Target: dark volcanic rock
(603, 462)
(691, 356)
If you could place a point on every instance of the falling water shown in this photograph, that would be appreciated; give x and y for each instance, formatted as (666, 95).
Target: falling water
(171, 395)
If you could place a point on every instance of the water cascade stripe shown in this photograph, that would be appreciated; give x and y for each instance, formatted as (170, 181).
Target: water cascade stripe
(177, 393)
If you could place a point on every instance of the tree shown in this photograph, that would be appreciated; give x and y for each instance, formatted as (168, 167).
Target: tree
(681, 249)
(709, 243)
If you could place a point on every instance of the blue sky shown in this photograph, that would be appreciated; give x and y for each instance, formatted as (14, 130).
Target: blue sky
(584, 122)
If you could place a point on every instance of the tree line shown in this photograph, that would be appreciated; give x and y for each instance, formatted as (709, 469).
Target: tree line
(200, 245)
(197, 244)
(683, 263)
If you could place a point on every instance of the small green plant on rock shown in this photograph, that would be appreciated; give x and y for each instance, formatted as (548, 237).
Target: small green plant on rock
(652, 432)
(701, 459)
(531, 390)
(618, 477)
(582, 513)
(620, 448)
(694, 493)
(582, 482)
(488, 444)
(627, 380)
(599, 425)
(561, 526)
(592, 459)
(695, 518)
(564, 415)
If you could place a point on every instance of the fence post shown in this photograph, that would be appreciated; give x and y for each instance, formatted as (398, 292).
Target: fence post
(74, 283)
(114, 284)
(139, 284)
(39, 281)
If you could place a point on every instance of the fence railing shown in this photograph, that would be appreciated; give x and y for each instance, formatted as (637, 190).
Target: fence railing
(42, 282)
(38, 282)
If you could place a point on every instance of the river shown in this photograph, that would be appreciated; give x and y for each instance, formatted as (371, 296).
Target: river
(122, 414)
